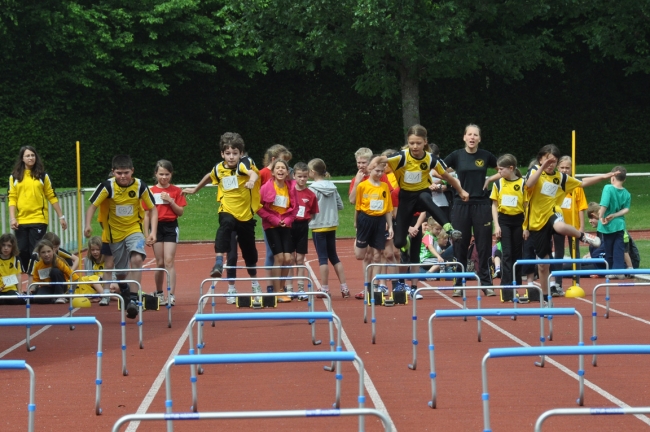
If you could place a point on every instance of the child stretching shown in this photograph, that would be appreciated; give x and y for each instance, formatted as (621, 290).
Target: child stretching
(169, 201)
(9, 270)
(279, 207)
(237, 178)
(307, 207)
(324, 224)
(508, 217)
(614, 205)
(548, 188)
(373, 215)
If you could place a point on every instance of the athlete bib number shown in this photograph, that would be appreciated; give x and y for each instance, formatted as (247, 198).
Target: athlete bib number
(44, 273)
(157, 199)
(509, 200)
(376, 205)
(281, 201)
(412, 177)
(10, 280)
(301, 212)
(229, 183)
(566, 204)
(549, 189)
(124, 210)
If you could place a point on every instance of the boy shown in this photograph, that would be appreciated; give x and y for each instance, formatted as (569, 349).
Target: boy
(614, 205)
(239, 193)
(307, 206)
(373, 215)
(125, 195)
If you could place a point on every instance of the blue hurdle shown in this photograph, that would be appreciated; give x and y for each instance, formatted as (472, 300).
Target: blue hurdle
(463, 276)
(413, 365)
(550, 351)
(31, 407)
(257, 415)
(253, 316)
(277, 357)
(366, 279)
(588, 411)
(606, 272)
(594, 314)
(552, 261)
(169, 287)
(19, 322)
(479, 313)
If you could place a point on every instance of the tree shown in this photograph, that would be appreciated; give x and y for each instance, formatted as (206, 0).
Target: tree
(398, 44)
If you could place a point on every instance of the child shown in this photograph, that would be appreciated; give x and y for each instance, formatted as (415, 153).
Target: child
(125, 195)
(508, 216)
(71, 259)
(439, 187)
(430, 250)
(9, 270)
(237, 177)
(51, 268)
(169, 201)
(279, 208)
(548, 188)
(323, 225)
(94, 258)
(614, 205)
(307, 207)
(372, 215)
(574, 215)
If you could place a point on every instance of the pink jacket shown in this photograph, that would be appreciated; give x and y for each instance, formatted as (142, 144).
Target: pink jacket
(271, 218)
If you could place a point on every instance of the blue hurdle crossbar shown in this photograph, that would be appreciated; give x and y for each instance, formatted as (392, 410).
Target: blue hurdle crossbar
(367, 278)
(148, 269)
(19, 322)
(550, 351)
(463, 276)
(594, 314)
(273, 357)
(261, 316)
(414, 318)
(257, 415)
(479, 313)
(589, 411)
(22, 365)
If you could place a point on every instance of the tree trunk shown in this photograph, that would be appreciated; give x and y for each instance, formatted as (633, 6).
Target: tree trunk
(410, 87)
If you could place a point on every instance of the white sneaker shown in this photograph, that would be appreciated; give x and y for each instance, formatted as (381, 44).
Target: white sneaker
(255, 287)
(591, 239)
(301, 293)
(231, 300)
(161, 298)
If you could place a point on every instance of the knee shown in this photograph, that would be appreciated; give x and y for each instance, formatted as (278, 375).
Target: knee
(136, 260)
(360, 254)
(169, 263)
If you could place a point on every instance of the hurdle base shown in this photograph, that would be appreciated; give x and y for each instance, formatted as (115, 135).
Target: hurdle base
(400, 297)
(270, 302)
(243, 302)
(389, 302)
(379, 298)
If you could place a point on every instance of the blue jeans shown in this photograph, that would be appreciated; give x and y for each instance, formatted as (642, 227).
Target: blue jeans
(615, 250)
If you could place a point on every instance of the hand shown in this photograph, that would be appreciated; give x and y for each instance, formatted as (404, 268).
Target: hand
(547, 163)
(526, 234)
(14, 224)
(165, 197)
(188, 191)
(605, 220)
(88, 231)
(64, 224)
(464, 195)
(413, 231)
(497, 231)
(282, 224)
(151, 239)
(249, 184)
(390, 233)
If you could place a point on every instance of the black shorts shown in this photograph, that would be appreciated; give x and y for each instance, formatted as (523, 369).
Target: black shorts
(371, 231)
(167, 232)
(542, 240)
(280, 240)
(300, 236)
(106, 249)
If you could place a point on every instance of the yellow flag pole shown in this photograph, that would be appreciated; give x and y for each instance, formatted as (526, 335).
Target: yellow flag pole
(79, 215)
(574, 290)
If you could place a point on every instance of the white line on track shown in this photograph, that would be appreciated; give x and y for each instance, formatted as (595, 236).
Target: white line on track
(615, 310)
(370, 386)
(32, 336)
(560, 366)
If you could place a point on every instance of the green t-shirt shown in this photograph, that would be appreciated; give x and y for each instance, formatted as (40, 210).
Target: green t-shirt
(615, 200)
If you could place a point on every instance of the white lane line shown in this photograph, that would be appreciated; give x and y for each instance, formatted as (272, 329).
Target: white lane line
(367, 381)
(560, 366)
(615, 310)
(32, 336)
(151, 394)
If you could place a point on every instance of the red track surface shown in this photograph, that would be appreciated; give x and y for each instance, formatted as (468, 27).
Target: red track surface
(65, 361)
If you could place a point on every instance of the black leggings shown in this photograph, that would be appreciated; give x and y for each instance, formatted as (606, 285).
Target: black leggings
(412, 202)
(512, 249)
(56, 275)
(476, 218)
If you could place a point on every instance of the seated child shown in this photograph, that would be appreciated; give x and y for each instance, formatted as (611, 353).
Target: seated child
(9, 270)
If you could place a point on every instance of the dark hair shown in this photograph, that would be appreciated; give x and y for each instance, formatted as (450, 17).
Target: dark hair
(435, 150)
(122, 161)
(549, 149)
(418, 131)
(318, 166)
(9, 237)
(277, 161)
(231, 140)
(40, 245)
(622, 175)
(53, 238)
(508, 160)
(38, 171)
(300, 166)
(164, 163)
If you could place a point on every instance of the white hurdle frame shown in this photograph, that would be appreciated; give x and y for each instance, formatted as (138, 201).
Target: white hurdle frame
(31, 406)
(588, 411)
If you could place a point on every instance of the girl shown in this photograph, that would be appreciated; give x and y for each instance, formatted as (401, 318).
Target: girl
(95, 259)
(508, 218)
(573, 213)
(323, 224)
(475, 214)
(51, 268)
(278, 211)
(548, 188)
(30, 189)
(169, 203)
(9, 270)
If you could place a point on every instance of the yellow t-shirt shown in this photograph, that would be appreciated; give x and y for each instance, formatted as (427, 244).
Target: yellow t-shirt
(509, 195)
(573, 218)
(282, 201)
(9, 274)
(547, 195)
(89, 264)
(392, 179)
(234, 197)
(413, 174)
(41, 272)
(30, 197)
(124, 207)
(373, 200)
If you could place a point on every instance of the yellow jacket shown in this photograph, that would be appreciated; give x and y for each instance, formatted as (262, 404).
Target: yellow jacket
(30, 197)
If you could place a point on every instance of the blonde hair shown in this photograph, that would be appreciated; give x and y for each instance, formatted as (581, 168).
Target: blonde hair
(274, 152)
(97, 242)
(318, 166)
(363, 152)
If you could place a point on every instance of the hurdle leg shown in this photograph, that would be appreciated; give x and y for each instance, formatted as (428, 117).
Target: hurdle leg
(542, 339)
(31, 408)
(464, 298)
(478, 318)
(581, 380)
(140, 318)
(414, 365)
(125, 372)
(365, 306)
(362, 396)
(29, 347)
(594, 332)
(314, 341)
(213, 301)
(169, 307)
(432, 364)
(70, 308)
(607, 299)
(330, 368)
(373, 320)
(168, 394)
(98, 381)
(485, 396)
(339, 377)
